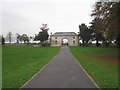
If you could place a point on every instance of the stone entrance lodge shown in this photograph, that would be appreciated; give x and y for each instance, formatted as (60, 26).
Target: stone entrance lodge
(57, 38)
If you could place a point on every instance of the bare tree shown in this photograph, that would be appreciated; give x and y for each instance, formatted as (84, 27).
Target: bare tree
(9, 36)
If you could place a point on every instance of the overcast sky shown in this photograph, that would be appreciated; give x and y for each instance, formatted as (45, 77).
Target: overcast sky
(27, 16)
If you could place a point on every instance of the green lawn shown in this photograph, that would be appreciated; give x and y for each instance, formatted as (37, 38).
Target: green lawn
(21, 63)
(0, 67)
(100, 63)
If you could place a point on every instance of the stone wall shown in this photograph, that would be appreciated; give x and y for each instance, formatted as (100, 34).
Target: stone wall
(57, 40)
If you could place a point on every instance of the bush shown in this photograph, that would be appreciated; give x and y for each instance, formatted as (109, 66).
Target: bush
(106, 44)
(44, 44)
(97, 44)
(3, 40)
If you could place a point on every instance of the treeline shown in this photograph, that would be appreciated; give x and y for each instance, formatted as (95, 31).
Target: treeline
(19, 38)
(105, 25)
(42, 36)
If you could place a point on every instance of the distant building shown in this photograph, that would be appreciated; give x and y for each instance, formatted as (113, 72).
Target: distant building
(57, 39)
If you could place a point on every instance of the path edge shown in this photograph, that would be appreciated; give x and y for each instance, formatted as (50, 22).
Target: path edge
(84, 70)
(38, 71)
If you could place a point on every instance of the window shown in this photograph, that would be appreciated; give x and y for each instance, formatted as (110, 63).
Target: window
(73, 37)
(55, 42)
(73, 42)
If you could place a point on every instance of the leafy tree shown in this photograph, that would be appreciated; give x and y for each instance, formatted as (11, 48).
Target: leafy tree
(85, 33)
(3, 40)
(109, 13)
(36, 37)
(98, 37)
(118, 41)
(97, 33)
(18, 37)
(43, 34)
(31, 37)
(24, 38)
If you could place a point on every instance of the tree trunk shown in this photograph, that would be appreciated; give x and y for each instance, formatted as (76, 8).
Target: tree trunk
(83, 41)
(97, 41)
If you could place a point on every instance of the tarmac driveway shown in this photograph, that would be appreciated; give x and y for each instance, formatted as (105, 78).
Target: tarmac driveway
(62, 72)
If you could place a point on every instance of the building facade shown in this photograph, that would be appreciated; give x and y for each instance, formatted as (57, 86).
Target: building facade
(57, 38)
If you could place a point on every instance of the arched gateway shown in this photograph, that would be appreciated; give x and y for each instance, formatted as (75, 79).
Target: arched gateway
(57, 38)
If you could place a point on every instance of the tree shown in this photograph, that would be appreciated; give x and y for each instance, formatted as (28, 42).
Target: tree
(31, 37)
(96, 28)
(9, 36)
(0, 39)
(3, 40)
(118, 41)
(109, 13)
(42, 35)
(18, 37)
(24, 38)
(36, 37)
(85, 33)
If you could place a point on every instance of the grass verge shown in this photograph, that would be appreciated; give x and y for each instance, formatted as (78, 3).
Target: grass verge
(21, 63)
(0, 67)
(100, 63)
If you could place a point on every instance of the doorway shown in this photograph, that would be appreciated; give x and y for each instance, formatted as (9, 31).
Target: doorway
(65, 42)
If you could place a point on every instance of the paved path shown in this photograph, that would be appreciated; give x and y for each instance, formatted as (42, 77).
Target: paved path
(62, 72)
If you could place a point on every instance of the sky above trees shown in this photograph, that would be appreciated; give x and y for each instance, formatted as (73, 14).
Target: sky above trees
(27, 16)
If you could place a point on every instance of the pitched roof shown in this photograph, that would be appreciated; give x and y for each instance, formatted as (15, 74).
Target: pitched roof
(64, 34)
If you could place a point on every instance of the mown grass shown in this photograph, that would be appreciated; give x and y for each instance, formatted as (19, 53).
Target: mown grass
(104, 73)
(0, 67)
(21, 63)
